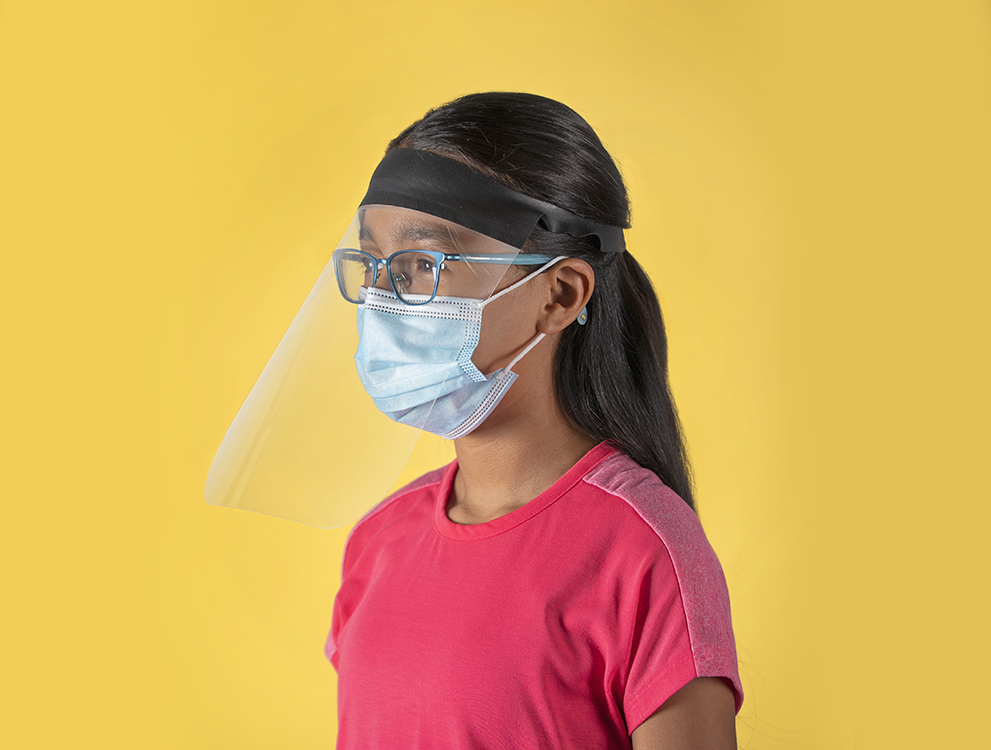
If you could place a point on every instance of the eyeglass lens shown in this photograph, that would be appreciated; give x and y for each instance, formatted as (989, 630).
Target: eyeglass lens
(411, 274)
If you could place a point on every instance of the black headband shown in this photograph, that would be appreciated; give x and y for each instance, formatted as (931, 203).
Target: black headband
(448, 189)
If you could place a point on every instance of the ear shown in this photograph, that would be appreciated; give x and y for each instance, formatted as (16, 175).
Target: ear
(569, 283)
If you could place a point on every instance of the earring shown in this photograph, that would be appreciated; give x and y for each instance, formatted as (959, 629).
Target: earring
(583, 316)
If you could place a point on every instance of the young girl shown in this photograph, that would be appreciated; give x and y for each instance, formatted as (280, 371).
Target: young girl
(552, 587)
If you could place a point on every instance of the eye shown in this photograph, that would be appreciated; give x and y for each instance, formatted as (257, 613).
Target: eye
(425, 264)
(413, 272)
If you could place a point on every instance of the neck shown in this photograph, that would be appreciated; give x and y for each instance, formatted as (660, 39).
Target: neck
(524, 446)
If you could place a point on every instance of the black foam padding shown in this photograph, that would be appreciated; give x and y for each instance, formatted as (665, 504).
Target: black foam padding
(448, 189)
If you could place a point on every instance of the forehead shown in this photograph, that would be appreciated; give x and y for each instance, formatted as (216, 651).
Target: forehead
(389, 223)
(395, 227)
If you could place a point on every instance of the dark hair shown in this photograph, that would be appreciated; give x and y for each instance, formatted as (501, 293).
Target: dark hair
(610, 374)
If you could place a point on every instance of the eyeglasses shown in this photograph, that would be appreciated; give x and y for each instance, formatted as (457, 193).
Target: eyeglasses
(413, 274)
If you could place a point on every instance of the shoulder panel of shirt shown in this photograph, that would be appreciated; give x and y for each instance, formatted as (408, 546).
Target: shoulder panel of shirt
(700, 576)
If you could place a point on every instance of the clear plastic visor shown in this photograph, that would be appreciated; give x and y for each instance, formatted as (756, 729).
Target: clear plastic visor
(309, 443)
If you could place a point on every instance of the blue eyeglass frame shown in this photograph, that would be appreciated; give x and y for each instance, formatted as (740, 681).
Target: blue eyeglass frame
(523, 259)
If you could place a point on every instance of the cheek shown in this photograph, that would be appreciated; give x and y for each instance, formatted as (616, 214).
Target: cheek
(508, 324)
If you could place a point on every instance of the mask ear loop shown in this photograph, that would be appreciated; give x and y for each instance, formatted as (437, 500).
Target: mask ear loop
(582, 316)
(526, 350)
(537, 339)
(524, 280)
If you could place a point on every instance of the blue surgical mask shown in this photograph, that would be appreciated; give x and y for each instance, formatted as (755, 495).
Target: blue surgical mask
(415, 360)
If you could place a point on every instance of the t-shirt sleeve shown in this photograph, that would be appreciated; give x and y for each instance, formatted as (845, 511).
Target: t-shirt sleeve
(330, 647)
(346, 598)
(682, 630)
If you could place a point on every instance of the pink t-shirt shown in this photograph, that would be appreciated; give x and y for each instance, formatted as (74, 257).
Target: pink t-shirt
(564, 624)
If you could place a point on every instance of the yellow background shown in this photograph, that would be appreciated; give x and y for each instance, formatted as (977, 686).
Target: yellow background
(811, 184)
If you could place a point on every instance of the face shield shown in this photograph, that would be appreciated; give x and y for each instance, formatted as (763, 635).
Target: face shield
(382, 347)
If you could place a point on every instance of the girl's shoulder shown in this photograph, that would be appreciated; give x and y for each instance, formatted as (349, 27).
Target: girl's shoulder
(421, 487)
(644, 493)
(417, 496)
(646, 503)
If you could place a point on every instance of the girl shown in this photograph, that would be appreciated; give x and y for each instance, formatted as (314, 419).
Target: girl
(552, 587)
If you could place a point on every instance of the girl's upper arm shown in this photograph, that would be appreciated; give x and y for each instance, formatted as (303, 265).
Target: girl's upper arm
(700, 716)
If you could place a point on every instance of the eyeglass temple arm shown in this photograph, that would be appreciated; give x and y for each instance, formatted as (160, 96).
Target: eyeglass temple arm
(524, 259)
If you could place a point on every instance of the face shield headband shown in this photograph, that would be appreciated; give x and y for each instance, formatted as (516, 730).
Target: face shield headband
(436, 185)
